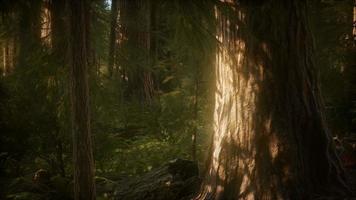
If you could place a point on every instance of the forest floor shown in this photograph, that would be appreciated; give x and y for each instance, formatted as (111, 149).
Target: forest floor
(176, 180)
(352, 179)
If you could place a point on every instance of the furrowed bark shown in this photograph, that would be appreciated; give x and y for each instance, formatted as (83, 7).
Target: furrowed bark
(270, 140)
(84, 184)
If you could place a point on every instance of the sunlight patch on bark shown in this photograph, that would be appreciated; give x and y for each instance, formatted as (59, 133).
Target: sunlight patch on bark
(46, 25)
(235, 94)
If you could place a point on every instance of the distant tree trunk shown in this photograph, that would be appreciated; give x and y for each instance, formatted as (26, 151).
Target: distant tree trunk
(112, 42)
(59, 28)
(270, 137)
(148, 80)
(6, 58)
(135, 17)
(354, 24)
(3, 60)
(122, 40)
(59, 155)
(13, 53)
(30, 30)
(84, 184)
(153, 29)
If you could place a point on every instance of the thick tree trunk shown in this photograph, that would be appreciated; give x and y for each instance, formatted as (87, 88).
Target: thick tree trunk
(84, 185)
(270, 138)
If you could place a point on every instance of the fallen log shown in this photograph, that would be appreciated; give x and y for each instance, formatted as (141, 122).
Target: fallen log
(176, 180)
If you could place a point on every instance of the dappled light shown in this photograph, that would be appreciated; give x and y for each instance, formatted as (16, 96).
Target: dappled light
(234, 134)
(46, 24)
(177, 100)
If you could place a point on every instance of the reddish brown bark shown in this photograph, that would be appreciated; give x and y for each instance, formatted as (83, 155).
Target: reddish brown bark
(270, 140)
(135, 42)
(84, 184)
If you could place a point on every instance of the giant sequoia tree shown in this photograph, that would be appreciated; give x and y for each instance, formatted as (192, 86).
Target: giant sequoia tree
(270, 138)
(269, 135)
(84, 185)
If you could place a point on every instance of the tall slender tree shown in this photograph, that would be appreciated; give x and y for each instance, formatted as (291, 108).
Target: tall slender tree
(84, 185)
(6, 58)
(270, 137)
(354, 23)
(59, 27)
(29, 30)
(113, 36)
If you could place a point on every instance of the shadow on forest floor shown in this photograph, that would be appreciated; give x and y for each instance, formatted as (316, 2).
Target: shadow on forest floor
(176, 180)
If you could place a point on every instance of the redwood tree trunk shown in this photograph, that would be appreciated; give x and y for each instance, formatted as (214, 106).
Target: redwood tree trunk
(270, 137)
(84, 184)
(135, 41)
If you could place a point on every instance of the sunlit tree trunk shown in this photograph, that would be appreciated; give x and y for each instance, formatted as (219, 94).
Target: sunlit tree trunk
(270, 137)
(84, 184)
(46, 22)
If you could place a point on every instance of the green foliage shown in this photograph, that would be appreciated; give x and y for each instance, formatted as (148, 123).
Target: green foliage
(332, 28)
